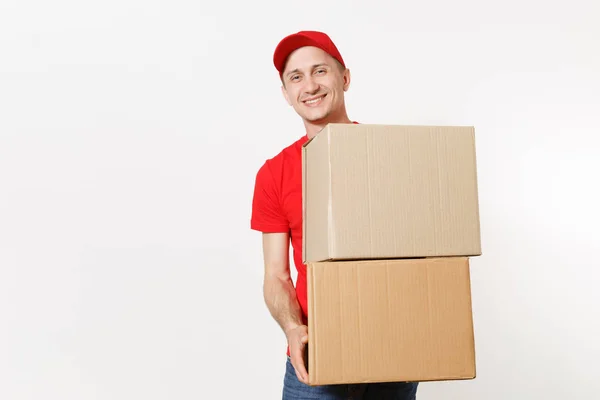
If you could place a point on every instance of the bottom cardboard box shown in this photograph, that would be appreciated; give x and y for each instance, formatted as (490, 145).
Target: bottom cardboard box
(390, 321)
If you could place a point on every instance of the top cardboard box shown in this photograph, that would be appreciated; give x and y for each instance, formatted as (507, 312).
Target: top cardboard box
(390, 191)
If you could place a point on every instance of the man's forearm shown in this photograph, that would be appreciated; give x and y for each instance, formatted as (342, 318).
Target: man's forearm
(281, 300)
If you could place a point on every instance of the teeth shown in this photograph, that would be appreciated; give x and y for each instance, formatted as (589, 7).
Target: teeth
(313, 101)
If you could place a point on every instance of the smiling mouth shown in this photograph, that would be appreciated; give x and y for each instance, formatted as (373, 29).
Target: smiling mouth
(314, 102)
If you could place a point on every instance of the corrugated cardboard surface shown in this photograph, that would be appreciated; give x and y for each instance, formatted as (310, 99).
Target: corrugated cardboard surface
(390, 191)
(390, 320)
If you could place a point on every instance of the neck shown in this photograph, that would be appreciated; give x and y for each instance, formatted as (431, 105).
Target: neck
(314, 127)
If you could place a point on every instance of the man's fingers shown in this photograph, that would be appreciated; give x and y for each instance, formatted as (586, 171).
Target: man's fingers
(298, 374)
(297, 340)
(298, 363)
(301, 372)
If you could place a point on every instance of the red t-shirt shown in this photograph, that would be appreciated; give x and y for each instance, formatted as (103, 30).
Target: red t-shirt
(277, 206)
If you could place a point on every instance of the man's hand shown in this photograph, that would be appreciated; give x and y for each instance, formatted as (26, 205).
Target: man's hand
(280, 296)
(297, 338)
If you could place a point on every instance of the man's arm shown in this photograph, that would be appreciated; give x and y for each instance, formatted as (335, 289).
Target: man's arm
(278, 288)
(281, 300)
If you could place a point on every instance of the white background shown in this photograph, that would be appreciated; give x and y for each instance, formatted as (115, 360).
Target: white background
(130, 135)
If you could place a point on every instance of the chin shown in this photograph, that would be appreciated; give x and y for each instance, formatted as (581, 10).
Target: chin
(317, 116)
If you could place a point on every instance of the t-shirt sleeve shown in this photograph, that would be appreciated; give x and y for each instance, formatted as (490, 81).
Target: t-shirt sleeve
(267, 215)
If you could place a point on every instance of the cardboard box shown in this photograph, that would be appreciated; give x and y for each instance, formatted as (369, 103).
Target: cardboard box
(390, 320)
(388, 191)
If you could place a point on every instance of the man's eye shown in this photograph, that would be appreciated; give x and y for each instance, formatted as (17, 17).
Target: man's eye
(320, 71)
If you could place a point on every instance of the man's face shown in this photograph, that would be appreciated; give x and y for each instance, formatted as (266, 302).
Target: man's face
(314, 84)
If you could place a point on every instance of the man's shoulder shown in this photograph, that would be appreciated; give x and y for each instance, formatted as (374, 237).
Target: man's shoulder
(290, 153)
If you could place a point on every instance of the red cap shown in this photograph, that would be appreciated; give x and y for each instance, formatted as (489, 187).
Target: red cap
(301, 39)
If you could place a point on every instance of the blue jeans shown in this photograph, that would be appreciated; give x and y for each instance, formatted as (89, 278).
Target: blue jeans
(293, 389)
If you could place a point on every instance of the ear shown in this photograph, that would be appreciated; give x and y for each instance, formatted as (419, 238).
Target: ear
(285, 94)
(346, 77)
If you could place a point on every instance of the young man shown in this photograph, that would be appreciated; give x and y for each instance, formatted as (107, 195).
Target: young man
(314, 79)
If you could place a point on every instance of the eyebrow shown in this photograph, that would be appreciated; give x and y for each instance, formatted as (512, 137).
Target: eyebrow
(313, 67)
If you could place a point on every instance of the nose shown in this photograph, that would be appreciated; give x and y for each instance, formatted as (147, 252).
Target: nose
(311, 85)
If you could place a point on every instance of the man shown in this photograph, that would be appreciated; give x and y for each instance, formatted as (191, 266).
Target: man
(314, 80)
